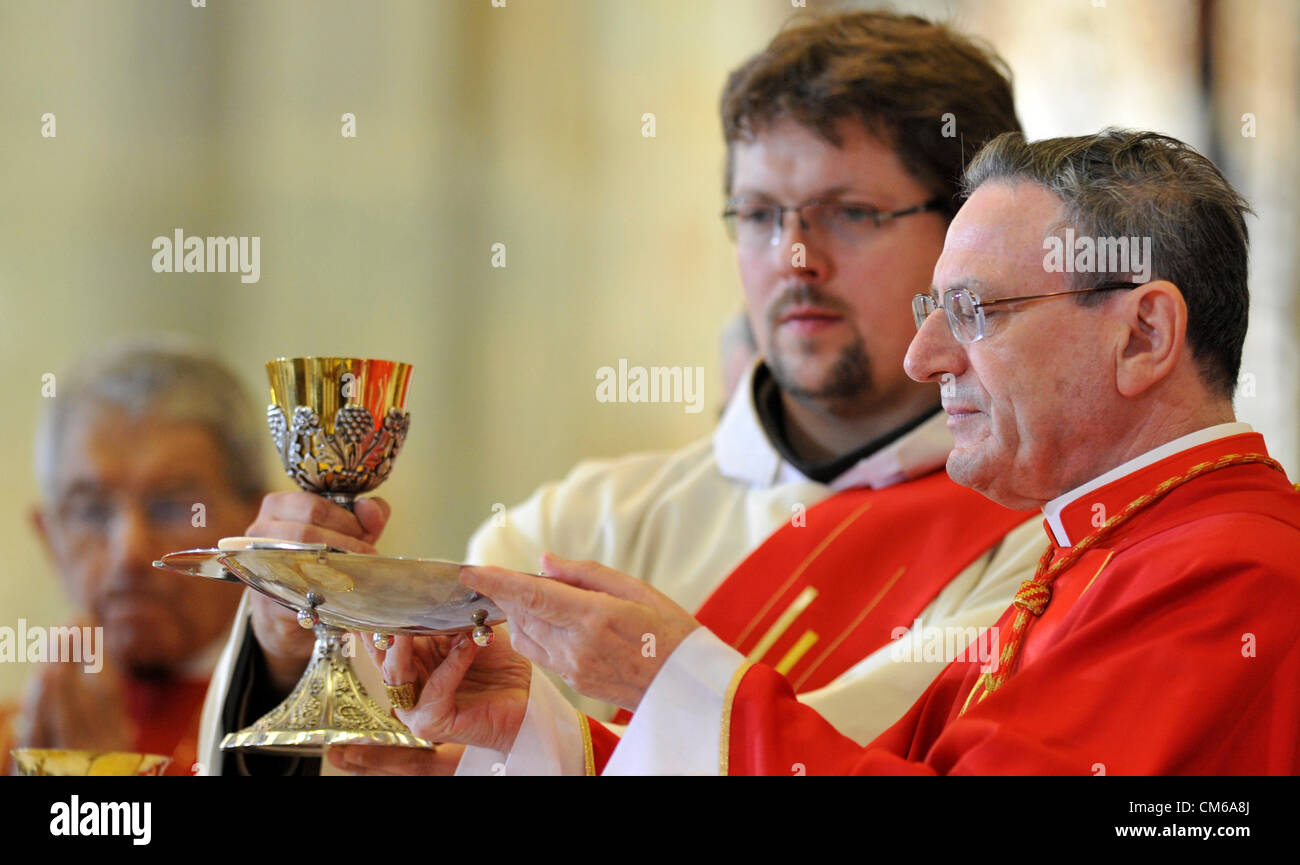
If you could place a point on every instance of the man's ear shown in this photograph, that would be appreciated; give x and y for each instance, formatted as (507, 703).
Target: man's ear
(1154, 316)
(36, 515)
(40, 524)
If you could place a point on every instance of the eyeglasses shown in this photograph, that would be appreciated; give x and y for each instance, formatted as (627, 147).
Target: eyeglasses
(965, 310)
(92, 514)
(754, 224)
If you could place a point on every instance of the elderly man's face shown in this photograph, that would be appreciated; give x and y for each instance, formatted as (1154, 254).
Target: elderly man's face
(832, 319)
(127, 494)
(1026, 404)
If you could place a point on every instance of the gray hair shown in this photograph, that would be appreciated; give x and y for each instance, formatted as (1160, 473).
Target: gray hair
(1122, 184)
(169, 377)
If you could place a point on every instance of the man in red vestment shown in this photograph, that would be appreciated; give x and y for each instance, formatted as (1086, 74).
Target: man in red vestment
(146, 447)
(1158, 634)
(841, 172)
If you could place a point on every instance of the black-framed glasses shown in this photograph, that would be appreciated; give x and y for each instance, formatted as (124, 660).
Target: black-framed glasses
(965, 310)
(760, 223)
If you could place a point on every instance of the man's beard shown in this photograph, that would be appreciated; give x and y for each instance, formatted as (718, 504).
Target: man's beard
(848, 377)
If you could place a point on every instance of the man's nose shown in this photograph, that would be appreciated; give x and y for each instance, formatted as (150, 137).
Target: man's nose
(133, 545)
(803, 248)
(934, 352)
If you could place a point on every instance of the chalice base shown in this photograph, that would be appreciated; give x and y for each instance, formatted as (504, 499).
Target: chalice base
(328, 706)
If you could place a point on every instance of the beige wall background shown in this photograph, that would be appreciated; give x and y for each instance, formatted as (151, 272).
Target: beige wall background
(479, 125)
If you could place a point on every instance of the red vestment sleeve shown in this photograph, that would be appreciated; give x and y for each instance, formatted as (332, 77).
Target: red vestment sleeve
(772, 733)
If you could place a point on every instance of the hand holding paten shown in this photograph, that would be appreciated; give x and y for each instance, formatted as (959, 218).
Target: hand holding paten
(605, 633)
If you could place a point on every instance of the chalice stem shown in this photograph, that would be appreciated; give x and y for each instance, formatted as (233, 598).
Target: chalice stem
(328, 706)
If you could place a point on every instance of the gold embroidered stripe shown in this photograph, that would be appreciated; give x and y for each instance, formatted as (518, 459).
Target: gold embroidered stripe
(1100, 568)
(833, 646)
(783, 623)
(724, 740)
(797, 651)
(825, 542)
(588, 752)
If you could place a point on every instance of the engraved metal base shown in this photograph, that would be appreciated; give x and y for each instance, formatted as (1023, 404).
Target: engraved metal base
(328, 706)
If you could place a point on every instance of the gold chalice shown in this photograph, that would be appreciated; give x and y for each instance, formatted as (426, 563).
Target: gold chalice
(71, 762)
(338, 423)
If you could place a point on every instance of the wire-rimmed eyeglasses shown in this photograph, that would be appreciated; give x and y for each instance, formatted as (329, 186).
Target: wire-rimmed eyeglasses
(965, 310)
(759, 223)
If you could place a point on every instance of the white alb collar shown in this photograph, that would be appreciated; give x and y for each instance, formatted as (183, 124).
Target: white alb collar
(744, 453)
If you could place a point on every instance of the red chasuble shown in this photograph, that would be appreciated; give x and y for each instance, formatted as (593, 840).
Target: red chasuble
(1173, 650)
(828, 589)
(166, 718)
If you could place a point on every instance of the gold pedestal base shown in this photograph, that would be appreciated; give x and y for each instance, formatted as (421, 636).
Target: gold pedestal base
(328, 706)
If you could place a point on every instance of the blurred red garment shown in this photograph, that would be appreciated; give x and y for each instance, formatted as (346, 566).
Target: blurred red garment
(166, 717)
(164, 713)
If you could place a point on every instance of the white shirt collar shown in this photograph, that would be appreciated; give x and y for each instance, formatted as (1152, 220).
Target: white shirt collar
(744, 453)
(1052, 510)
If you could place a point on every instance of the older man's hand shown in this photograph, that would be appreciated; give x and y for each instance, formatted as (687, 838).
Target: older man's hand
(381, 760)
(605, 633)
(66, 707)
(311, 519)
(464, 694)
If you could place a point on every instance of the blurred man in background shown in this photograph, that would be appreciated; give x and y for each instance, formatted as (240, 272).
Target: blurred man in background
(147, 447)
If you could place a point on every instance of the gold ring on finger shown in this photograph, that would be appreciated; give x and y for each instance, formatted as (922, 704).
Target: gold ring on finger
(401, 696)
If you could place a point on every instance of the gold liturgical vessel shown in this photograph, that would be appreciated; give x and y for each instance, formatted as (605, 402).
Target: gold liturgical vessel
(338, 425)
(80, 763)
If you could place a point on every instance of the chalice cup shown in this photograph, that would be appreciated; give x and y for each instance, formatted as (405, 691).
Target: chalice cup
(338, 424)
(81, 763)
